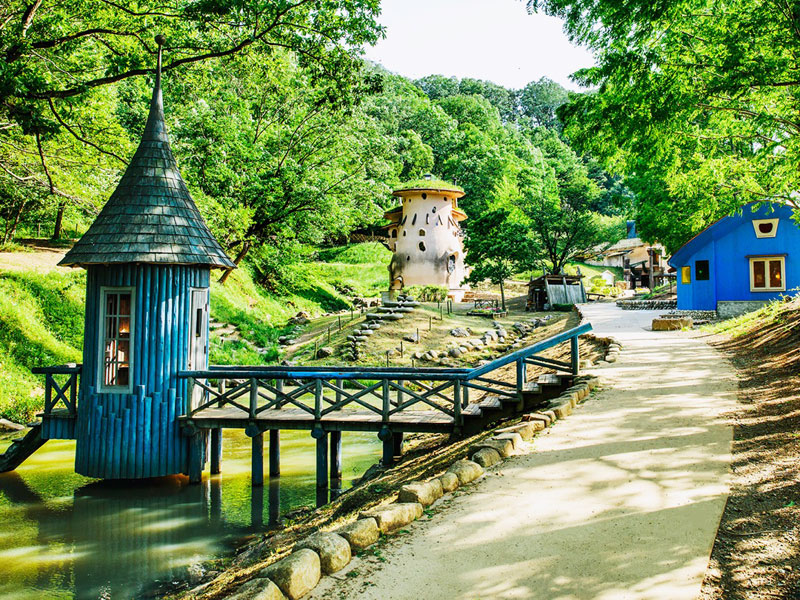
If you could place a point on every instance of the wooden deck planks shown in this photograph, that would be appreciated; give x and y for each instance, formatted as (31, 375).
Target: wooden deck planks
(345, 420)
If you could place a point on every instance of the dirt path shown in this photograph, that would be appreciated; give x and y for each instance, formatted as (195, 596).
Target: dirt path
(42, 260)
(620, 500)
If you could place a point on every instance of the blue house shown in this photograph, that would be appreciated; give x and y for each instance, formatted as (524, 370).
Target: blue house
(740, 262)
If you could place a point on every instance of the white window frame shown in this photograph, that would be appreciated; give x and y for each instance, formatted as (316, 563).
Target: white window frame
(771, 234)
(101, 342)
(767, 259)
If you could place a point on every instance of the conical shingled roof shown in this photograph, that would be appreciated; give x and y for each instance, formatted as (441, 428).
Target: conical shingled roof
(150, 217)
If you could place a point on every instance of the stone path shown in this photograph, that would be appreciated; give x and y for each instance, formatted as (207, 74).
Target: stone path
(619, 501)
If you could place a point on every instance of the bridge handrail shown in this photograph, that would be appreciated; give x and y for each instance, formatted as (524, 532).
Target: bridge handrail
(529, 351)
(67, 393)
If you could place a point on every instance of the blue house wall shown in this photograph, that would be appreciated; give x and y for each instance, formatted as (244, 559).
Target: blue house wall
(137, 435)
(728, 245)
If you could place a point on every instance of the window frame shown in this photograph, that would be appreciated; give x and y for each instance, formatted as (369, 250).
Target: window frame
(101, 341)
(766, 259)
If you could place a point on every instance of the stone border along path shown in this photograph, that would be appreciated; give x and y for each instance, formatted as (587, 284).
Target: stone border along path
(326, 553)
(621, 501)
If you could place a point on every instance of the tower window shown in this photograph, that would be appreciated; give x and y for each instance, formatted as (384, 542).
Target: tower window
(422, 246)
(117, 327)
(394, 233)
(701, 269)
(422, 233)
(765, 228)
(424, 196)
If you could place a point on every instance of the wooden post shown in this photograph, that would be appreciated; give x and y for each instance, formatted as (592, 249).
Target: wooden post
(274, 452)
(399, 400)
(336, 463)
(575, 355)
(397, 445)
(401, 348)
(340, 322)
(459, 421)
(279, 387)
(253, 397)
(322, 469)
(387, 358)
(430, 322)
(520, 375)
(316, 349)
(216, 450)
(329, 334)
(257, 467)
(196, 458)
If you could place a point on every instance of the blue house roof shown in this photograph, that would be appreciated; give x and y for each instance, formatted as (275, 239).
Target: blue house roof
(725, 225)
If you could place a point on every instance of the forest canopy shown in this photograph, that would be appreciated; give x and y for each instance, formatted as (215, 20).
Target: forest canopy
(285, 136)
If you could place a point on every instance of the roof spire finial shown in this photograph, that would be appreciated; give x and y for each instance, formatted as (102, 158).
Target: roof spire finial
(155, 129)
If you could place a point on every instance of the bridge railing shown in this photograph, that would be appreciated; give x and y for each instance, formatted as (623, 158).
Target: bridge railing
(384, 391)
(60, 396)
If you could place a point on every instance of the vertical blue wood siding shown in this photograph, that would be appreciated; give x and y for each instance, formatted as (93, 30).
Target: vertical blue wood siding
(136, 435)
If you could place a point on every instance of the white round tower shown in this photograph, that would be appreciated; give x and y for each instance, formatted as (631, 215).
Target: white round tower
(425, 237)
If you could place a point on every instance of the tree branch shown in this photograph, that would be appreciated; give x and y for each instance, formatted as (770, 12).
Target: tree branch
(78, 137)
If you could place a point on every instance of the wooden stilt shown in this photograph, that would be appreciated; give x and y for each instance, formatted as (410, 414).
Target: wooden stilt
(274, 452)
(196, 458)
(216, 451)
(397, 444)
(336, 463)
(322, 469)
(388, 450)
(215, 500)
(257, 468)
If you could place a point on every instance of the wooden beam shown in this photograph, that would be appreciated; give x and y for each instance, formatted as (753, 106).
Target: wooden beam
(216, 451)
(274, 452)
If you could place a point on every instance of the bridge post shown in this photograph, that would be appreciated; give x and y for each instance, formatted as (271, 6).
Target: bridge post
(274, 452)
(257, 467)
(457, 417)
(216, 451)
(575, 355)
(336, 463)
(322, 465)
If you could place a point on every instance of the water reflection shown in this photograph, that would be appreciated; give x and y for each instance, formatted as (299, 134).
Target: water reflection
(66, 536)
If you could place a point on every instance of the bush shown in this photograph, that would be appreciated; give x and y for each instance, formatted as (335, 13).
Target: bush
(427, 293)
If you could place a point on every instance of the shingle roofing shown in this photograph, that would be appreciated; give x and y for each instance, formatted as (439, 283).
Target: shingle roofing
(150, 217)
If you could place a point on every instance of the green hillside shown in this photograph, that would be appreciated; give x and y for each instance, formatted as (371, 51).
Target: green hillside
(42, 316)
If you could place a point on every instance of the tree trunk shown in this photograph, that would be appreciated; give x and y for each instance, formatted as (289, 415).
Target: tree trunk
(502, 295)
(239, 257)
(59, 220)
(11, 225)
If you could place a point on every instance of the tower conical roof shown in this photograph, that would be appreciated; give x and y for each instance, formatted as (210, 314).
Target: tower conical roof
(150, 217)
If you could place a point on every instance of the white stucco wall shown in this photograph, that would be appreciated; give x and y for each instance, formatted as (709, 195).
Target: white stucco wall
(424, 241)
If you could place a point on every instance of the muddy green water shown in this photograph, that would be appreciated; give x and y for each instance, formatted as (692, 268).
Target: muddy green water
(67, 536)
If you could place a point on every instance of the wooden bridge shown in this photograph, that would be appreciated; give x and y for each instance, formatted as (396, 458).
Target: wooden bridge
(328, 400)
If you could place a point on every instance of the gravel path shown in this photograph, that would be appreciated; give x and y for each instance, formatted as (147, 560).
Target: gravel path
(621, 500)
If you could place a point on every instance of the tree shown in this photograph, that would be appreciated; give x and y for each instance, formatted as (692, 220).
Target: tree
(539, 101)
(497, 247)
(695, 102)
(64, 61)
(272, 159)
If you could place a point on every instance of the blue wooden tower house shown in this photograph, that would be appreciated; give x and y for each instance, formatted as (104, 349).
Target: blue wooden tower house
(148, 257)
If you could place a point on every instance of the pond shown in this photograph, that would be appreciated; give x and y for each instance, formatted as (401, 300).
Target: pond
(67, 536)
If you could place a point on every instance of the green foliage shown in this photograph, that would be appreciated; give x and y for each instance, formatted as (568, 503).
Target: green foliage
(41, 324)
(427, 184)
(695, 103)
(354, 254)
(428, 293)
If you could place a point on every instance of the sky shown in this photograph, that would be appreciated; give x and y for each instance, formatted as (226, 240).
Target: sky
(494, 40)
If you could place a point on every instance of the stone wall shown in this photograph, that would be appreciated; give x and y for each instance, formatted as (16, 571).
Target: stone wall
(697, 315)
(727, 309)
(647, 304)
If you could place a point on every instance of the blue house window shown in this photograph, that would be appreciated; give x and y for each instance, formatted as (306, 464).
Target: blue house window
(117, 330)
(701, 270)
(767, 274)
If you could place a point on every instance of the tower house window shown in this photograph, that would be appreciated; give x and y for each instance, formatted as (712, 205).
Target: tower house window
(767, 273)
(414, 220)
(686, 274)
(116, 322)
(422, 233)
(422, 246)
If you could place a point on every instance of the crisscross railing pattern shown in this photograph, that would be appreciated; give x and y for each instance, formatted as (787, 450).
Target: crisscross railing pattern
(381, 391)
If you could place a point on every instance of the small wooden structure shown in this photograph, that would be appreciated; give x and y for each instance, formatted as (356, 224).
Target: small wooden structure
(148, 257)
(549, 290)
